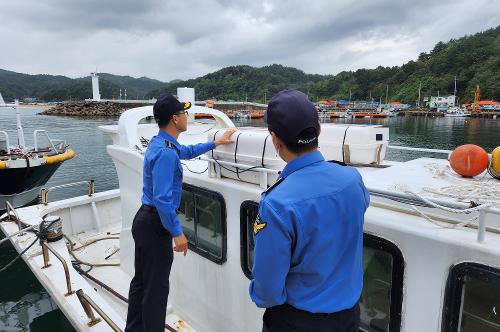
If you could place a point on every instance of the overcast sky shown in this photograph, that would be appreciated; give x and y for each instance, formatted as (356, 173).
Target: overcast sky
(185, 39)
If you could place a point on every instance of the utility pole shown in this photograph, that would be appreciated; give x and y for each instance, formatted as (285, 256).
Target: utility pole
(265, 97)
(371, 101)
(419, 89)
(386, 93)
(350, 94)
(455, 93)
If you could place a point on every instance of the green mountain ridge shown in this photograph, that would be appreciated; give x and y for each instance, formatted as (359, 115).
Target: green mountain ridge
(473, 60)
(58, 88)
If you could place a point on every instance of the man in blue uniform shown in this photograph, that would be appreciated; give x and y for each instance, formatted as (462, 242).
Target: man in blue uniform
(309, 231)
(156, 222)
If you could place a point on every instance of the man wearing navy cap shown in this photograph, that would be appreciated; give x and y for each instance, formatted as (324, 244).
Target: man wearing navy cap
(156, 222)
(308, 234)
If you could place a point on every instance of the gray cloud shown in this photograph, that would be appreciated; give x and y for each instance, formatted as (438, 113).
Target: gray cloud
(185, 39)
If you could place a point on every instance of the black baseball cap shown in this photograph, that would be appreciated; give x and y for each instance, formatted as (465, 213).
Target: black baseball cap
(289, 113)
(167, 105)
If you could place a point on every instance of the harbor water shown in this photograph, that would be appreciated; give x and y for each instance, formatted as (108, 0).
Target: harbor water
(26, 306)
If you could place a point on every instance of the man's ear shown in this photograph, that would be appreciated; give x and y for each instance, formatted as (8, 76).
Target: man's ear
(174, 120)
(276, 141)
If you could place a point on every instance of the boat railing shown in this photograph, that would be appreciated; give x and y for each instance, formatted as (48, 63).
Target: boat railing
(6, 139)
(46, 263)
(408, 148)
(88, 304)
(455, 207)
(11, 210)
(45, 191)
(35, 139)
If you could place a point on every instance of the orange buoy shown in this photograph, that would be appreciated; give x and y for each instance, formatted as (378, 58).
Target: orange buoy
(469, 160)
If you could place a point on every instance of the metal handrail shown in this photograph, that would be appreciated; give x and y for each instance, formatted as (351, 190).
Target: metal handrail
(35, 140)
(408, 148)
(44, 193)
(6, 139)
(46, 263)
(9, 208)
(87, 304)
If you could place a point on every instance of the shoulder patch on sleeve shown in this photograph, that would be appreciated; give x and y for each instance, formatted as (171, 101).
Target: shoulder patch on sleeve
(258, 225)
(171, 145)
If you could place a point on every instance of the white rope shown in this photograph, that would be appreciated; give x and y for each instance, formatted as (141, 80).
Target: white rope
(16, 233)
(483, 189)
(437, 223)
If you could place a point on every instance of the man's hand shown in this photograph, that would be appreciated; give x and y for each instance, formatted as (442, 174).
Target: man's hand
(225, 137)
(181, 244)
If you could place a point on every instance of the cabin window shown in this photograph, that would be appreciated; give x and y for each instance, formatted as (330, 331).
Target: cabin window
(202, 214)
(248, 214)
(472, 300)
(382, 296)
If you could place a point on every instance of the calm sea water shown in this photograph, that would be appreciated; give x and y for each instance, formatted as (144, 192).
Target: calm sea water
(26, 306)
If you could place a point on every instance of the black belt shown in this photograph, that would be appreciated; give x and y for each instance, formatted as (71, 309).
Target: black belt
(148, 208)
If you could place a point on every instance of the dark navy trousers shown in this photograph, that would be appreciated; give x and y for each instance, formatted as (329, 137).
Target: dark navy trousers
(149, 288)
(286, 318)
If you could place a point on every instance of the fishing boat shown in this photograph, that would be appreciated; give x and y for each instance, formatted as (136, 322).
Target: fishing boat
(457, 112)
(25, 170)
(431, 257)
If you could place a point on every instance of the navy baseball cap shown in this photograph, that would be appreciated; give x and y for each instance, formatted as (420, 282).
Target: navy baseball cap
(289, 113)
(167, 105)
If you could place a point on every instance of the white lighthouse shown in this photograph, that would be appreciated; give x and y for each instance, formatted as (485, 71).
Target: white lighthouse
(96, 96)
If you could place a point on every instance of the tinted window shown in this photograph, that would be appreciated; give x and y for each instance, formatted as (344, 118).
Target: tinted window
(381, 298)
(202, 214)
(248, 214)
(472, 299)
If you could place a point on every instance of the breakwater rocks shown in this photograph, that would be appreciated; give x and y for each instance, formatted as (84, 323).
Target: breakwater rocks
(91, 109)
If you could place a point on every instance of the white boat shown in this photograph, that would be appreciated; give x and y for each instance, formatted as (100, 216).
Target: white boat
(24, 170)
(457, 112)
(431, 247)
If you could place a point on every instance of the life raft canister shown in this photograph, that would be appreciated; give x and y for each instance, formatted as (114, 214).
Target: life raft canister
(469, 160)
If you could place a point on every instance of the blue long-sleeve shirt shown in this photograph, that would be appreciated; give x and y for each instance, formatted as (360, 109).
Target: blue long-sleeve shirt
(309, 238)
(162, 176)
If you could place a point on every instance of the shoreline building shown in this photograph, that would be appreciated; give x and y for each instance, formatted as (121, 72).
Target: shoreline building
(441, 103)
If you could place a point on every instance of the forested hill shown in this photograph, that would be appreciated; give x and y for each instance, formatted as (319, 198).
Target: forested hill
(472, 59)
(57, 88)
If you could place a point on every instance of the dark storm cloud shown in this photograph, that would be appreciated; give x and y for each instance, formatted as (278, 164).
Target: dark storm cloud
(184, 39)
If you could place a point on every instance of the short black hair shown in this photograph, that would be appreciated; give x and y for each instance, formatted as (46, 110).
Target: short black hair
(163, 121)
(310, 135)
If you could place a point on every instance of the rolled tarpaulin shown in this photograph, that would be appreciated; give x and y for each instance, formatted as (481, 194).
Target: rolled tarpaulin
(68, 154)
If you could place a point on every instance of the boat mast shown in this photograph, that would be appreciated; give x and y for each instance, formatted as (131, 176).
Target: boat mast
(20, 132)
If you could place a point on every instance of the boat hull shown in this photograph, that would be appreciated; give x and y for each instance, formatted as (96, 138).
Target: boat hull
(21, 186)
